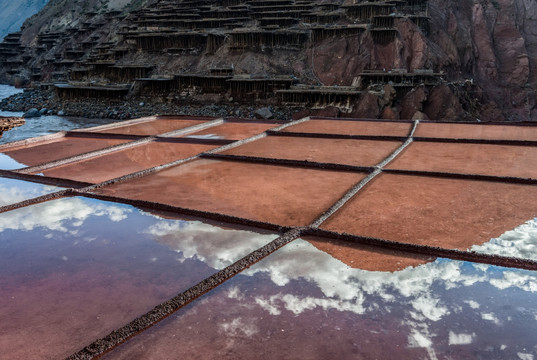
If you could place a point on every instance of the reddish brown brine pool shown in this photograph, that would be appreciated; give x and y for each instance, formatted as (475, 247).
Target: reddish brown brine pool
(74, 269)
(302, 303)
(368, 222)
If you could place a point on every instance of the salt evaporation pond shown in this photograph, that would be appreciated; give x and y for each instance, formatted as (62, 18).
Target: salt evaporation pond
(74, 269)
(301, 302)
(43, 125)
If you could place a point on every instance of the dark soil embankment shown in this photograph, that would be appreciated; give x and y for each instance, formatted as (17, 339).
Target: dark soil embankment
(134, 108)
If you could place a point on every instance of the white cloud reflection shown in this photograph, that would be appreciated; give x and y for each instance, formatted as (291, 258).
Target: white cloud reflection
(213, 245)
(64, 215)
(490, 317)
(520, 242)
(8, 163)
(421, 288)
(301, 260)
(238, 327)
(460, 339)
(473, 304)
(14, 191)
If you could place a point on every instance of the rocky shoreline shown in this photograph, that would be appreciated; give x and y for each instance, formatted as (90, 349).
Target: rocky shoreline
(36, 102)
(8, 123)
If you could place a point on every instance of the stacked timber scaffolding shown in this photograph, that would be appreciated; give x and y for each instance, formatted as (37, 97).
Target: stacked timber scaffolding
(322, 18)
(73, 54)
(163, 41)
(202, 83)
(48, 39)
(319, 33)
(319, 96)
(279, 21)
(222, 71)
(126, 73)
(383, 36)
(162, 86)
(194, 27)
(79, 74)
(365, 11)
(388, 21)
(218, 81)
(252, 39)
(244, 86)
(77, 91)
(11, 46)
(400, 78)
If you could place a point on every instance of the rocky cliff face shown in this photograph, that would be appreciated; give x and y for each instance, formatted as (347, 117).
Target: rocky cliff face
(14, 13)
(492, 43)
(59, 15)
(486, 49)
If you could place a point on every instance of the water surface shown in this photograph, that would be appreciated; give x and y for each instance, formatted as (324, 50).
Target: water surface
(74, 269)
(302, 303)
(13, 191)
(8, 163)
(520, 242)
(43, 125)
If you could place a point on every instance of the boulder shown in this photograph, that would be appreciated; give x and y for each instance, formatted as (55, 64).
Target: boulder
(263, 113)
(413, 102)
(366, 107)
(32, 113)
(389, 114)
(442, 104)
(418, 115)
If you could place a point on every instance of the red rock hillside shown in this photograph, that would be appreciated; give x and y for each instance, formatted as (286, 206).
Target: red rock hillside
(485, 52)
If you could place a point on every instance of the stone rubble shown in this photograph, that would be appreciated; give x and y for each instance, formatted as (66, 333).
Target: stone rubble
(46, 103)
(7, 123)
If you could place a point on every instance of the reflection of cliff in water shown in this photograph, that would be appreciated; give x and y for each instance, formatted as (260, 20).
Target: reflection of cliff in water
(368, 257)
(520, 242)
